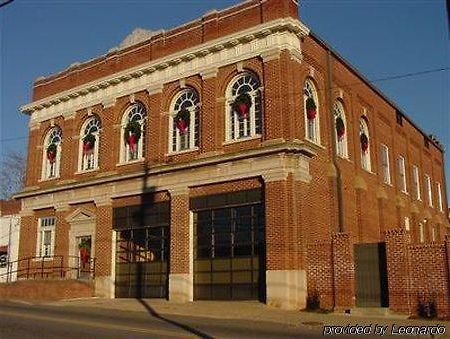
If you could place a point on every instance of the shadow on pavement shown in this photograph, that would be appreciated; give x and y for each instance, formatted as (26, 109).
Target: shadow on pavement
(172, 322)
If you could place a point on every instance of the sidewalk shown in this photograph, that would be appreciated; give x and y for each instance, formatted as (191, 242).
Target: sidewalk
(251, 310)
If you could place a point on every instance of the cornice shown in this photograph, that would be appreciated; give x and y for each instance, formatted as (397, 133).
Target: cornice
(252, 42)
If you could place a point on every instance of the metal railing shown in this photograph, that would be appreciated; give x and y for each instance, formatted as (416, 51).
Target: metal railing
(49, 267)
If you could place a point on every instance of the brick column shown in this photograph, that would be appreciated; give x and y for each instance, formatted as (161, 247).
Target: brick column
(285, 282)
(210, 121)
(104, 275)
(344, 271)
(397, 241)
(273, 112)
(62, 233)
(181, 279)
(156, 129)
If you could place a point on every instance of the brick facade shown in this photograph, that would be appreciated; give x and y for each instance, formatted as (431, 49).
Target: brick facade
(299, 178)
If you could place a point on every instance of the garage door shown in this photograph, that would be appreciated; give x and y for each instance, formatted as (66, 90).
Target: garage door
(229, 252)
(142, 251)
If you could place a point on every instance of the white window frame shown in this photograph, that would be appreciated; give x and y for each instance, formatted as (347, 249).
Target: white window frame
(429, 190)
(312, 127)
(421, 232)
(366, 162)
(407, 224)
(401, 167)
(52, 170)
(341, 144)
(45, 224)
(136, 109)
(416, 182)
(175, 137)
(385, 165)
(236, 128)
(89, 162)
(433, 233)
(440, 202)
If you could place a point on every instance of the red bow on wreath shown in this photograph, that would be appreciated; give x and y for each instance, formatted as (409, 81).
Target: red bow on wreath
(182, 120)
(242, 104)
(51, 153)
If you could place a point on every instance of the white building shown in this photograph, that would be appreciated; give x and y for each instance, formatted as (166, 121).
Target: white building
(9, 239)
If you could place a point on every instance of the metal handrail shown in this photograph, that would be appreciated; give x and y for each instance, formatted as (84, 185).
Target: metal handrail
(49, 267)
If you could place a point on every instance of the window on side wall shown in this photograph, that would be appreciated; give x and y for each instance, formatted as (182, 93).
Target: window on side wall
(364, 143)
(340, 129)
(416, 181)
(311, 113)
(401, 167)
(385, 164)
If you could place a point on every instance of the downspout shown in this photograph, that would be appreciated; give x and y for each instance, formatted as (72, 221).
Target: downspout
(333, 146)
(335, 164)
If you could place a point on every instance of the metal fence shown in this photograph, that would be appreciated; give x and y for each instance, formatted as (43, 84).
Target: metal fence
(49, 267)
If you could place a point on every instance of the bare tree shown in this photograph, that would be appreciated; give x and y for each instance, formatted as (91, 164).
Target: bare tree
(12, 174)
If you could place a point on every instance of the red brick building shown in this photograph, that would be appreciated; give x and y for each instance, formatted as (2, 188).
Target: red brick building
(236, 157)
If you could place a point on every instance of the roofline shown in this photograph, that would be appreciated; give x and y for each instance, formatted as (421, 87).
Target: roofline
(373, 87)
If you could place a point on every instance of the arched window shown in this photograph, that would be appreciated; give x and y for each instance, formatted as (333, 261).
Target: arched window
(183, 124)
(243, 107)
(89, 144)
(51, 157)
(340, 129)
(364, 141)
(133, 133)
(311, 112)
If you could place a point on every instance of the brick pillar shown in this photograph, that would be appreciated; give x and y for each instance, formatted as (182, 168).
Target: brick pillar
(397, 241)
(181, 279)
(273, 112)
(62, 233)
(104, 276)
(212, 124)
(156, 134)
(285, 281)
(343, 271)
(34, 156)
(69, 149)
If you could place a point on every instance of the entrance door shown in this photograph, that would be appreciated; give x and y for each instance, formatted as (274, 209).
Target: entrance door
(371, 275)
(229, 253)
(84, 254)
(141, 262)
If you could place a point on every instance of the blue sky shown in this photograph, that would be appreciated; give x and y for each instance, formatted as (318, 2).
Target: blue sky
(381, 38)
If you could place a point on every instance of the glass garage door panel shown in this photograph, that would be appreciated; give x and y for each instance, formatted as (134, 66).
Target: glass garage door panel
(228, 243)
(141, 263)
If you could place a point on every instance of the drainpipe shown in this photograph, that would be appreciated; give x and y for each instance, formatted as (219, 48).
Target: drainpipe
(333, 146)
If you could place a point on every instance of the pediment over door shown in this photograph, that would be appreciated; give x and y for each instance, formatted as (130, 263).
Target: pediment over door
(81, 215)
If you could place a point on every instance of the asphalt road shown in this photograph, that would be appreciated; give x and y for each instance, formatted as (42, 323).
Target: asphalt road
(20, 320)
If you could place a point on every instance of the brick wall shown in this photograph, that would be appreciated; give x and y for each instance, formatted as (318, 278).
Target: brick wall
(331, 272)
(46, 290)
(417, 271)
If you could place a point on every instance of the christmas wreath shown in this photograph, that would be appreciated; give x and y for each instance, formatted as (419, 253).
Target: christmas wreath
(311, 108)
(242, 104)
(88, 143)
(51, 152)
(84, 247)
(364, 142)
(182, 120)
(132, 134)
(340, 127)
